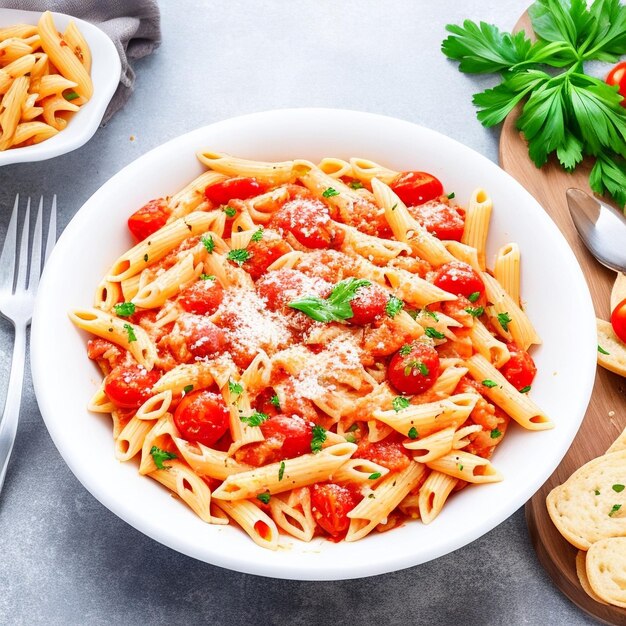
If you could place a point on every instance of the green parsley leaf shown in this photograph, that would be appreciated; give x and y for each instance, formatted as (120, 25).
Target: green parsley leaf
(374, 476)
(608, 175)
(432, 314)
(208, 243)
(130, 331)
(412, 434)
(601, 350)
(415, 364)
(145, 258)
(356, 184)
(597, 492)
(350, 438)
(275, 401)
(405, 349)
(257, 235)
(187, 389)
(352, 428)
(433, 333)
(489, 383)
(451, 196)
(256, 419)
(460, 466)
(235, 388)
(614, 509)
(618, 488)
(238, 255)
(504, 320)
(495, 433)
(158, 456)
(230, 212)
(281, 470)
(264, 497)
(394, 306)
(207, 277)
(319, 437)
(474, 296)
(334, 308)
(330, 192)
(475, 311)
(124, 309)
(71, 95)
(399, 403)
(525, 389)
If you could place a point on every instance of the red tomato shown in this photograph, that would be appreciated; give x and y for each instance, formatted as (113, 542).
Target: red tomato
(520, 369)
(416, 187)
(440, 219)
(129, 386)
(308, 220)
(618, 320)
(330, 504)
(459, 278)
(148, 219)
(203, 337)
(239, 188)
(617, 76)
(292, 433)
(388, 453)
(263, 402)
(264, 252)
(368, 305)
(279, 287)
(202, 297)
(202, 416)
(415, 370)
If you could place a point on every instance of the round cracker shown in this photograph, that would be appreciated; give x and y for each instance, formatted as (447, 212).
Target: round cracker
(581, 570)
(615, 360)
(619, 443)
(606, 569)
(586, 507)
(618, 293)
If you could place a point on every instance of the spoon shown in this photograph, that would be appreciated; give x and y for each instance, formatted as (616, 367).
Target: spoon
(601, 227)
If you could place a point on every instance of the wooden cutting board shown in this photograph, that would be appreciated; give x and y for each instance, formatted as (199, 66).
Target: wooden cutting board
(606, 416)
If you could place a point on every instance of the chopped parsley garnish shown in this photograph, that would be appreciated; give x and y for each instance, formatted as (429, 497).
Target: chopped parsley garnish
(601, 350)
(394, 306)
(495, 433)
(614, 509)
(145, 258)
(264, 497)
(414, 364)
(618, 488)
(504, 320)
(451, 195)
(319, 437)
(374, 476)
(207, 277)
(460, 466)
(235, 388)
(399, 403)
(281, 470)
(475, 311)
(489, 383)
(356, 184)
(352, 428)
(330, 192)
(238, 255)
(474, 296)
(71, 95)
(433, 333)
(257, 235)
(275, 401)
(158, 456)
(525, 389)
(334, 308)
(350, 438)
(124, 309)
(597, 492)
(405, 349)
(394, 207)
(230, 212)
(412, 434)
(256, 419)
(130, 331)
(208, 243)
(432, 314)
(187, 389)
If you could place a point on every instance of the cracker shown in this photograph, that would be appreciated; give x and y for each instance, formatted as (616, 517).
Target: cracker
(606, 569)
(615, 360)
(581, 570)
(619, 443)
(586, 507)
(618, 293)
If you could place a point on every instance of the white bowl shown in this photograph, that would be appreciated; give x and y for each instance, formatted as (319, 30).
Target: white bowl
(556, 296)
(105, 74)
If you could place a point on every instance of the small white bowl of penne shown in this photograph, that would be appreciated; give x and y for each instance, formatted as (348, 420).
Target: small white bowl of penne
(57, 76)
(236, 505)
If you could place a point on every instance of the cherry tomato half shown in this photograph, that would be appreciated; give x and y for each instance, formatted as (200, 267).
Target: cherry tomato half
(289, 434)
(368, 305)
(520, 369)
(202, 336)
(414, 369)
(148, 219)
(617, 76)
(129, 386)
(441, 220)
(460, 279)
(264, 252)
(618, 320)
(416, 187)
(330, 504)
(202, 416)
(389, 453)
(239, 188)
(202, 297)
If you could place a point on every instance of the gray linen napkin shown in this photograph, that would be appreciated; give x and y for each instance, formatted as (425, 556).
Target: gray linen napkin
(133, 25)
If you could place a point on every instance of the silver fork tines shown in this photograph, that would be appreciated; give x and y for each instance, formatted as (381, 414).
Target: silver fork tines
(19, 279)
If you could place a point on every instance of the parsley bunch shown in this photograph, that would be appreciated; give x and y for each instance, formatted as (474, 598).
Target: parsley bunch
(564, 111)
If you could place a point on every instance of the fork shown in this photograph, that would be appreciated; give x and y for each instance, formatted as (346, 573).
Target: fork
(18, 285)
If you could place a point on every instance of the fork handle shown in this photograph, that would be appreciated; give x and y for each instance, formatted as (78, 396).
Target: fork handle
(10, 416)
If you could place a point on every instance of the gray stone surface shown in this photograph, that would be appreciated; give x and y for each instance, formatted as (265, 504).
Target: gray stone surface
(65, 559)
